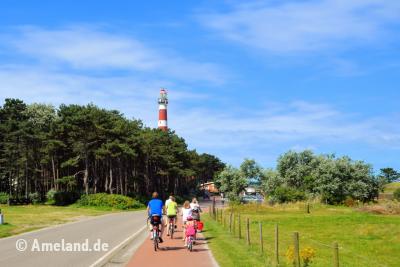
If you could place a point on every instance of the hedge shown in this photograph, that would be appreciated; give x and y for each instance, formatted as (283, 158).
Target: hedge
(110, 200)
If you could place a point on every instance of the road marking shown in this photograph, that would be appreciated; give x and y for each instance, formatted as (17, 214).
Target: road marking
(104, 259)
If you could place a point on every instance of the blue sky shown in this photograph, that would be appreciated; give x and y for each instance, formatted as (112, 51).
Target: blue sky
(244, 80)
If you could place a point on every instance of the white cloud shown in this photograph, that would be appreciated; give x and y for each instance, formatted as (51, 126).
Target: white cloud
(131, 96)
(301, 124)
(236, 134)
(226, 132)
(85, 48)
(284, 27)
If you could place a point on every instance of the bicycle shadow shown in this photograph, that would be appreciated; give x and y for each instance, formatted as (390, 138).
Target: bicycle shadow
(172, 248)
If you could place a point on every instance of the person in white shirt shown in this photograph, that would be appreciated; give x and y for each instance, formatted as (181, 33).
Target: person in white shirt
(186, 212)
(195, 209)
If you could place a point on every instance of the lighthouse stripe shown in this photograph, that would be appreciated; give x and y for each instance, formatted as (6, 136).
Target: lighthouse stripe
(162, 123)
(162, 106)
(162, 115)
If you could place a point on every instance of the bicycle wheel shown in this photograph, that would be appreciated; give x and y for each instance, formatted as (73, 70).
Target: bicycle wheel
(155, 239)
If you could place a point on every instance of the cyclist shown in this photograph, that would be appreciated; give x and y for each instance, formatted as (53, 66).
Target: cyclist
(156, 208)
(171, 195)
(172, 211)
(186, 212)
(195, 209)
(190, 230)
(169, 198)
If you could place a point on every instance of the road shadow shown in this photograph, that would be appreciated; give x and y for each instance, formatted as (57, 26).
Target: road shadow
(205, 238)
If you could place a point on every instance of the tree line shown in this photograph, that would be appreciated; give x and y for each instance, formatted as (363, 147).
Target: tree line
(87, 149)
(304, 175)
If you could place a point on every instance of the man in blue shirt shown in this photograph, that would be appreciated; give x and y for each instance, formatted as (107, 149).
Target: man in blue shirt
(156, 208)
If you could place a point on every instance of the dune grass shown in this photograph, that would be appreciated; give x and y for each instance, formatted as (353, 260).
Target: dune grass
(390, 188)
(19, 219)
(364, 239)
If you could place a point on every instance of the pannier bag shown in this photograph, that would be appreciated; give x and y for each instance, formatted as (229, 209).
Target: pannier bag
(200, 226)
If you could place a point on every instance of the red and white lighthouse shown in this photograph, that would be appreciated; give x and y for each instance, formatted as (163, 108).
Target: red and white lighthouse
(162, 110)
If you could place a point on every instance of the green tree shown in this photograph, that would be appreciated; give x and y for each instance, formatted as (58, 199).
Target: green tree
(231, 181)
(389, 174)
(296, 168)
(88, 149)
(252, 171)
(13, 156)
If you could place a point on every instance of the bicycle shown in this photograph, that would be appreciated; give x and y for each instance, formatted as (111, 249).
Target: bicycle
(190, 241)
(171, 227)
(190, 236)
(155, 221)
(156, 237)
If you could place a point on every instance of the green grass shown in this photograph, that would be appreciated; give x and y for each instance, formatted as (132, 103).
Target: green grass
(390, 188)
(364, 239)
(19, 219)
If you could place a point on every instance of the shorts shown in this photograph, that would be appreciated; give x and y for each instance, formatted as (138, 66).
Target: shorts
(155, 220)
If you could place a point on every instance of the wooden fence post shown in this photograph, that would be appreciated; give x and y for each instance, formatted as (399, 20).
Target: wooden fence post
(230, 222)
(213, 207)
(335, 254)
(240, 227)
(248, 231)
(234, 225)
(277, 244)
(221, 215)
(213, 204)
(308, 207)
(261, 238)
(296, 249)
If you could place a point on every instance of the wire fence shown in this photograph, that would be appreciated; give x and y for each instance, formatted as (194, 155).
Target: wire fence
(283, 248)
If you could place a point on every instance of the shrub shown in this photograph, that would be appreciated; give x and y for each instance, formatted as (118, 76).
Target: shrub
(64, 198)
(50, 196)
(109, 200)
(35, 197)
(284, 194)
(4, 198)
(307, 255)
(396, 194)
(349, 202)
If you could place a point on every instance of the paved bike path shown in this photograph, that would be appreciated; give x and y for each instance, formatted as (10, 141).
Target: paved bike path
(172, 252)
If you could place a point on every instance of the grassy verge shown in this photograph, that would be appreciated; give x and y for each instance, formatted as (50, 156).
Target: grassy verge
(364, 239)
(228, 250)
(19, 219)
